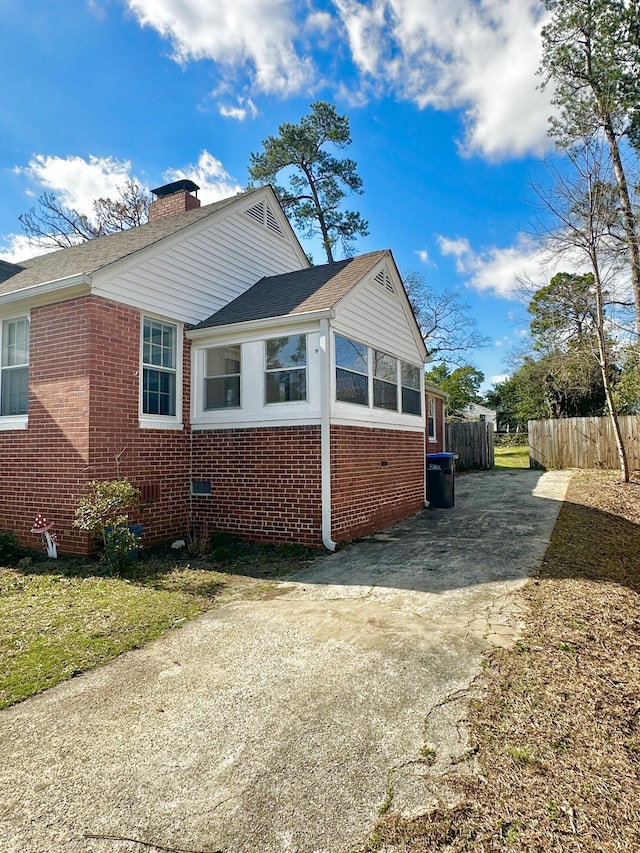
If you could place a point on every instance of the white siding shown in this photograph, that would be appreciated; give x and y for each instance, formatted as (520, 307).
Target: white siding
(194, 276)
(374, 316)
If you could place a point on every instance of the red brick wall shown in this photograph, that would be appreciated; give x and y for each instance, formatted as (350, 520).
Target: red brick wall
(169, 205)
(83, 410)
(265, 483)
(377, 478)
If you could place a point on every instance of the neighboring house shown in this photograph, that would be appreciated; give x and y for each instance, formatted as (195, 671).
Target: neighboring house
(476, 412)
(202, 358)
(435, 407)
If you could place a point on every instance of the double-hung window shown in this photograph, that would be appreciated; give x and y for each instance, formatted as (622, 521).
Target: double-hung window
(14, 366)
(159, 367)
(385, 381)
(410, 381)
(222, 378)
(352, 371)
(286, 369)
(432, 419)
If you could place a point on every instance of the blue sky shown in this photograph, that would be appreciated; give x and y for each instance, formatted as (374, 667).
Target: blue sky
(448, 126)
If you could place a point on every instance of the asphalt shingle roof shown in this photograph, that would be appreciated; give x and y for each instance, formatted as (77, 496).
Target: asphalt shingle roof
(87, 258)
(297, 292)
(8, 270)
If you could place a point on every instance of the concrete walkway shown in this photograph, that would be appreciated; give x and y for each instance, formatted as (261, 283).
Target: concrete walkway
(281, 724)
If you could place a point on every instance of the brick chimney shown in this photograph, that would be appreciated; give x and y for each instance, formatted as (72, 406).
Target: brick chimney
(173, 198)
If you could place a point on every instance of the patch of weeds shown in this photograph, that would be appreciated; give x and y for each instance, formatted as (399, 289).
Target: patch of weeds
(568, 648)
(521, 646)
(520, 754)
(389, 794)
(509, 831)
(428, 755)
(552, 810)
(560, 746)
(9, 547)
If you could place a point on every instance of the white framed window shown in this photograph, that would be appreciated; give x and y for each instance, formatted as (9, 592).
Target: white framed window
(14, 367)
(161, 374)
(410, 383)
(385, 381)
(285, 369)
(222, 372)
(432, 419)
(352, 371)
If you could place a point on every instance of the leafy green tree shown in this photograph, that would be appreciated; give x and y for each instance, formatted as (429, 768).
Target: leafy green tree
(318, 181)
(462, 385)
(591, 58)
(53, 225)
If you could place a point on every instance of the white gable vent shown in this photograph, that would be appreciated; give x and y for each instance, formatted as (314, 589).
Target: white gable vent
(383, 280)
(263, 214)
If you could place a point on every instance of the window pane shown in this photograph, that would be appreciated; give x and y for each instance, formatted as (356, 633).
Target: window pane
(351, 355)
(384, 367)
(411, 401)
(15, 342)
(159, 392)
(284, 386)
(222, 392)
(159, 343)
(385, 395)
(352, 387)
(410, 375)
(223, 361)
(286, 352)
(14, 392)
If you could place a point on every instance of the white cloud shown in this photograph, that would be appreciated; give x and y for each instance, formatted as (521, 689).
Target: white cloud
(210, 175)
(423, 255)
(499, 377)
(254, 34)
(245, 107)
(479, 57)
(77, 182)
(509, 271)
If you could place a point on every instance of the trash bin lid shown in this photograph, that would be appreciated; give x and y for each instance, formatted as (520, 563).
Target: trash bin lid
(443, 455)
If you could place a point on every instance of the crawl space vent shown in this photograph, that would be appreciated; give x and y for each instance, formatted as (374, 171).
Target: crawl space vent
(264, 215)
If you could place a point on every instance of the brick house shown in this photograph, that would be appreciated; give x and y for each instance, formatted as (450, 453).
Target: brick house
(201, 357)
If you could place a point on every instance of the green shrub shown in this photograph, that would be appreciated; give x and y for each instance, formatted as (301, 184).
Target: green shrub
(9, 547)
(104, 512)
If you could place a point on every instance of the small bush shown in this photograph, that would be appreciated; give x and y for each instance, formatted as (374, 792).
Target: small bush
(9, 547)
(104, 512)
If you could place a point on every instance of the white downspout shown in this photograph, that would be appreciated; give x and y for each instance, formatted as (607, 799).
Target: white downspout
(325, 433)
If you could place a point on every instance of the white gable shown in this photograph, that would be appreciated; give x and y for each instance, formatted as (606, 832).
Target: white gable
(192, 274)
(376, 312)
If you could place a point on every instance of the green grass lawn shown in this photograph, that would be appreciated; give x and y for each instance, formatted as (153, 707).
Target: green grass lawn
(62, 617)
(511, 457)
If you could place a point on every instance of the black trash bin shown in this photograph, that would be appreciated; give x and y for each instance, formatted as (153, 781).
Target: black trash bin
(441, 480)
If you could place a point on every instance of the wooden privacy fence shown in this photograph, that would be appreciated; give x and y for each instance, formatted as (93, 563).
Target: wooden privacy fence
(582, 443)
(473, 442)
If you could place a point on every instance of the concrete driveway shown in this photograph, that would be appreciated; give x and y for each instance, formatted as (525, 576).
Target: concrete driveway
(282, 724)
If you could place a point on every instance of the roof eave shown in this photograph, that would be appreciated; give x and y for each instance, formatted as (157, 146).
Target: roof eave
(63, 288)
(261, 324)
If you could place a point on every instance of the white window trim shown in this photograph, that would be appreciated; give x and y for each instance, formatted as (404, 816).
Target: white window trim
(432, 402)
(9, 422)
(162, 421)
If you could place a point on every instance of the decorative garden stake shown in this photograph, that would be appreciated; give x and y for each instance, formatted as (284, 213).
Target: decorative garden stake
(42, 526)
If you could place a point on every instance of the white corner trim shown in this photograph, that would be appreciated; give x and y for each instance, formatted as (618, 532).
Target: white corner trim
(325, 432)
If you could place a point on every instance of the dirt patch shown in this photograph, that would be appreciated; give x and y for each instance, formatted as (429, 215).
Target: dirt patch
(555, 736)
